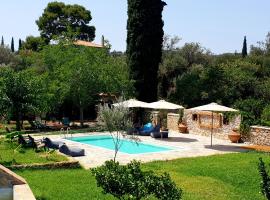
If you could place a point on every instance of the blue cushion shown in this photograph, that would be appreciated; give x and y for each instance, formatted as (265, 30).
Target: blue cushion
(147, 127)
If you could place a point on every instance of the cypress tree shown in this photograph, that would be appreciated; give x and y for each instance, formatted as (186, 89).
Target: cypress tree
(244, 49)
(2, 41)
(20, 44)
(12, 45)
(144, 45)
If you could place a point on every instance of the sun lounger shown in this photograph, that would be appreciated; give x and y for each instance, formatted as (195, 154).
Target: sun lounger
(37, 125)
(71, 151)
(25, 142)
(52, 144)
(37, 144)
(146, 130)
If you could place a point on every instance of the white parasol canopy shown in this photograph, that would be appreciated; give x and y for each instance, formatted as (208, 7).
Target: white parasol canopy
(213, 107)
(162, 104)
(132, 103)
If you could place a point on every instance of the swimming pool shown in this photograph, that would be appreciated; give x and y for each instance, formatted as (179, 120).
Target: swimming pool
(127, 146)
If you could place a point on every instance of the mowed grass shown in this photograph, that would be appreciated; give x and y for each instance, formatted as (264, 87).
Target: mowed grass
(220, 177)
(63, 184)
(11, 153)
(229, 176)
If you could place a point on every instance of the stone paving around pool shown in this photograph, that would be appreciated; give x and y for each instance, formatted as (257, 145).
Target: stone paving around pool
(184, 145)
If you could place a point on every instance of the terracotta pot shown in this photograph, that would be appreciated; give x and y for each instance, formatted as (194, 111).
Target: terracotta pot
(182, 128)
(234, 136)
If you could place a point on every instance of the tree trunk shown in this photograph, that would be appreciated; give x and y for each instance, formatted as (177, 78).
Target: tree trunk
(18, 120)
(81, 116)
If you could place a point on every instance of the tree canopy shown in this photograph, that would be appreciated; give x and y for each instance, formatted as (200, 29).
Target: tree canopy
(63, 20)
(144, 44)
(34, 43)
(244, 49)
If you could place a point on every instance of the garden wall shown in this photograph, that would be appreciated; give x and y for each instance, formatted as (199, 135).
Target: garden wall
(200, 123)
(260, 135)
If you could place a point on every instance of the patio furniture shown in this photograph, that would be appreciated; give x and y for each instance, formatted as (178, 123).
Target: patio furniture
(55, 125)
(25, 142)
(52, 144)
(65, 121)
(160, 134)
(37, 125)
(71, 151)
(146, 130)
(37, 144)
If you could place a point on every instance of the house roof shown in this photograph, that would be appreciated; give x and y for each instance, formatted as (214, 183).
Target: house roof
(87, 44)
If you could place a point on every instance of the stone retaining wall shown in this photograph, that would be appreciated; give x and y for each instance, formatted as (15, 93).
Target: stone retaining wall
(54, 165)
(20, 188)
(203, 123)
(260, 135)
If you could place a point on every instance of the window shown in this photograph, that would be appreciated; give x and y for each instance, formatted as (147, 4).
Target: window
(226, 120)
(194, 117)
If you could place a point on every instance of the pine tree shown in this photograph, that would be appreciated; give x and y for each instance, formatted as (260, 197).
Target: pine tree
(20, 44)
(2, 41)
(244, 49)
(12, 45)
(144, 45)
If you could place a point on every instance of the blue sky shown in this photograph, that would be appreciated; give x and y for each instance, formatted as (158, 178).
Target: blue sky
(219, 25)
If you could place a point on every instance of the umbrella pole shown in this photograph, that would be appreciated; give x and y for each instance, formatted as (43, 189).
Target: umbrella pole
(212, 128)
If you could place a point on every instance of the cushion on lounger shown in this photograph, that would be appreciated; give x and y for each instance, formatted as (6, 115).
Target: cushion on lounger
(71, 151)
(52, 144)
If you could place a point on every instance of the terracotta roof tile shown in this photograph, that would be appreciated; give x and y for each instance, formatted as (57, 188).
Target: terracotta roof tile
(87, 44)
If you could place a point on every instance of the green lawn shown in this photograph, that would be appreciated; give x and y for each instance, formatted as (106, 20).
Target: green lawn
(10, 154)
(221, 177)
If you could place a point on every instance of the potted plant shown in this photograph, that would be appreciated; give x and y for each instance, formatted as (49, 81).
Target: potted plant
(182, 127)
(234, 136)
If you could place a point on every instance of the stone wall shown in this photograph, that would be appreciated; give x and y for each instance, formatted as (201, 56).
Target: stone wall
(172, 121)
(202, 125)
(260, 135)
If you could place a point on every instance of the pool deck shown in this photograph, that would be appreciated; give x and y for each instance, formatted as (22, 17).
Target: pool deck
(184, 145)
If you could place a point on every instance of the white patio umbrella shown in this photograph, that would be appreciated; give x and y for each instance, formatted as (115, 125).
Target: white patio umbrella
(162, 104)
(132, 103)
(213, 107)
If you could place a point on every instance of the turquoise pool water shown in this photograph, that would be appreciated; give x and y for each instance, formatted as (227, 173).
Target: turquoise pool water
(128, 146)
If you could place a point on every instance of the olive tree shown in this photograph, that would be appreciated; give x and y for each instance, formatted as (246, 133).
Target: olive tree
(118, 122)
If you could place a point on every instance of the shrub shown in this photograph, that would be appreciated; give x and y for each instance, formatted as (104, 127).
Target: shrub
(13, 134)
(265, 117)
(265, 182)
(130, 182)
